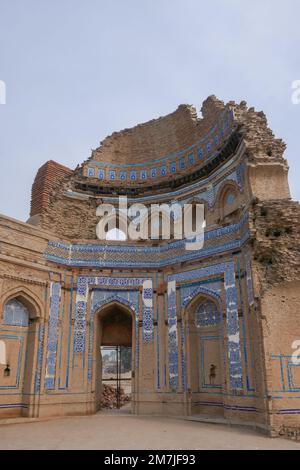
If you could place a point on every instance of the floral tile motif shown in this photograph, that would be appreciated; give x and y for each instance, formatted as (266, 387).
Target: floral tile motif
(55, 299)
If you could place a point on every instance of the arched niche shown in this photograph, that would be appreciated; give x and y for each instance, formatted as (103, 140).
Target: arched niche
(19, 315)
(229, 202)
(205, 364)
(25, 297)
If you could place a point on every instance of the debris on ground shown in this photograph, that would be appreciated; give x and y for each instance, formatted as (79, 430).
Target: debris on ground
(109, 397)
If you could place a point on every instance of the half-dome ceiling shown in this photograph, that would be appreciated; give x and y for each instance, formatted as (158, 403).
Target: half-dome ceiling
(168, 147)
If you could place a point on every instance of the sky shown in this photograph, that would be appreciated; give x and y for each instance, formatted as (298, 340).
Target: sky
(75, 71)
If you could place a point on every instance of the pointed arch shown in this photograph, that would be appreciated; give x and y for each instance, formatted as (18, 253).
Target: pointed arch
(111, 301)
(26, 297)
(196, 295)
(228, 200)
(113, 325)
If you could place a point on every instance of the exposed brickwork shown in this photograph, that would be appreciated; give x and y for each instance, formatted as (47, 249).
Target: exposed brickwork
(47, 176)
(159, 137)
(276, 241)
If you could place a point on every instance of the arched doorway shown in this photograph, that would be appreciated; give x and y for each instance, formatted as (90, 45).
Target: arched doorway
(114, 356)
(20, 339)
(206, 369)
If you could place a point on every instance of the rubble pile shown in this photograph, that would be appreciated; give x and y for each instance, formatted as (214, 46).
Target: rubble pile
(109, 397)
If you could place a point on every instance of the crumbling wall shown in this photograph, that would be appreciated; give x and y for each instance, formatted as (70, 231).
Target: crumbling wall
(276, 269)
(46, 179)
(267, 167)
(276, 241)
(160, 137)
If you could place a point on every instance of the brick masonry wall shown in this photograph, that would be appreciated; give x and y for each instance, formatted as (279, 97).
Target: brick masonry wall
(48, 175)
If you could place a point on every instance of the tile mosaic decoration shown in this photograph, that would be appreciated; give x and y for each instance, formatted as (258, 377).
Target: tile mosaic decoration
(15, 314)
(200, 154)
(91, 172)
(207, 315)
(211, 289)
(208, 181)
(163, 171)
(173, 167)
(211, 194)
(172, 336)
(217, 241)
(101, 174)
(39, 362)
(182, 164)
(55, 299)
(232, 319)
(133, 175)
(191, 159)
(112, 175)
(104, 291)
(148, 313)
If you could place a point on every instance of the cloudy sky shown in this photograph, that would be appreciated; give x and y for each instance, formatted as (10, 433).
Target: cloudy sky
(75, 71)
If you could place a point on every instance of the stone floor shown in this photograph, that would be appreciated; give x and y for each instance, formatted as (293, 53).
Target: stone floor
(113, 431)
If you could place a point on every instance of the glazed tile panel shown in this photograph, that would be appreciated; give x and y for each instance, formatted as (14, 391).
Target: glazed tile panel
(55, 299)
(105, 290)
(232, 320)
(37, 384)
(217, 241)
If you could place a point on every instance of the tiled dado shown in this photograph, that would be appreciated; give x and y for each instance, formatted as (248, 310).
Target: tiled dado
(227, 270)
(196, 155)
(222, 240)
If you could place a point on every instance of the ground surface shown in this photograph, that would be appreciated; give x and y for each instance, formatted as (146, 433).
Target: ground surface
(112, 432)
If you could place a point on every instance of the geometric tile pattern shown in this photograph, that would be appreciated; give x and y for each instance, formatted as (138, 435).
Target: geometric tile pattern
(207, 314)
(55, 298)
(107, 283)
(232, 318)
(148, 325)
(172, 336)
(210, 289)
(216, 241)
(211, 194)
(37, 384)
